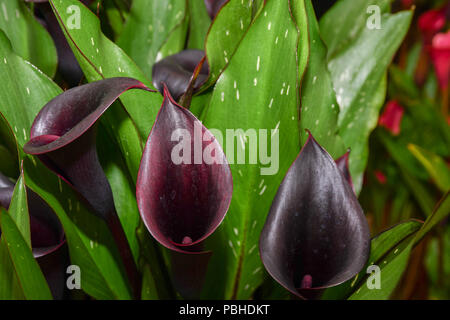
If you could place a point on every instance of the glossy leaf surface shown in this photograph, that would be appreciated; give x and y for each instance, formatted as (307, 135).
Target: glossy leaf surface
(267, 114)
(90, 243)
(25, 92)
(359, 54)
(29, 38)
(199, 23)
(100, 58)
(224, 37)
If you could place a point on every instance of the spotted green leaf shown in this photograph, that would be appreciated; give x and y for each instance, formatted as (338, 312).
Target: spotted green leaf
(360, 53)
(338, 31)
(258, 93)
(224, 36)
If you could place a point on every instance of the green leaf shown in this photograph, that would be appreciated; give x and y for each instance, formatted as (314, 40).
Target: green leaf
(18, 209)
(401, 155)
(413, 58)
(90, 242)
(29, 274)
(384, 245)
(257, 91)
(122, 130)
(434, 134)
(91, 245)
(200, 102)
(149, 25)
(441, 211)
(28, 37)
(199, 23)
(21, 272)
(25, 90)
(436, 166)
(359, 58)
(437, 262)
(391, 271)
(122, 186)
(8, 163)
(176, 40)
(319, 108)
(10, 288)
(156, 282)
(113, 17)
(338, 31)
(394, 264)
(149, 291)
(402, 83)
(225, 34)
(7, 137)
(408, 168)
(100, 58)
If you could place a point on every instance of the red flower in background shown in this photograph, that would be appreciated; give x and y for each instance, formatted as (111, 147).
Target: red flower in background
(380, 177)
(391, 118)
(431, 22)
(440, 55)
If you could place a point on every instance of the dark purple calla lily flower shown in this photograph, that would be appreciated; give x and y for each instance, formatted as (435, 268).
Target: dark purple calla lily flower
(213, 7)
(63, 136)
(176, 72)
(343, 165)
(316, 235)
(47, 236)
(183, 195)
